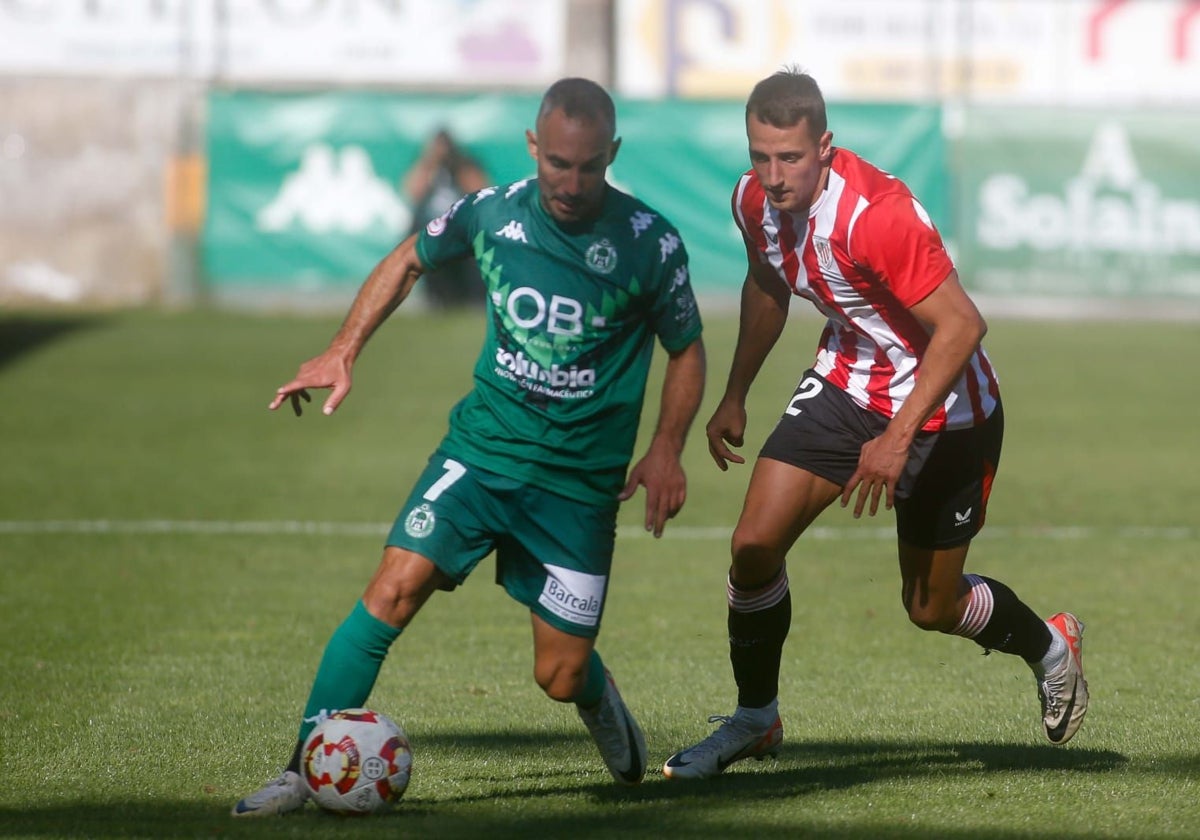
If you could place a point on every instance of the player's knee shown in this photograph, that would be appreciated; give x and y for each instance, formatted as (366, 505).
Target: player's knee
(933, 616)
(389, 608)
(400, 586)
(392, 600)
(756, 559)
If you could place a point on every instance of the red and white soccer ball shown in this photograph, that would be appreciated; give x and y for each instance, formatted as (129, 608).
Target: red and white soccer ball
(357, 761)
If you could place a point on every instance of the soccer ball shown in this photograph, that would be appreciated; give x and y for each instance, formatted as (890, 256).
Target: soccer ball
(356, 761)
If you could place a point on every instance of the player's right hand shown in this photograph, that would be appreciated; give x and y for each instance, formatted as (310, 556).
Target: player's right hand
(725, 429)
(325, 371)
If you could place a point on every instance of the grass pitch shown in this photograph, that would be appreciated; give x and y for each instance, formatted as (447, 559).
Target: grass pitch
(174, 557)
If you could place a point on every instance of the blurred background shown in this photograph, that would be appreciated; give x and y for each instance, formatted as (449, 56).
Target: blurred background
(266, 153)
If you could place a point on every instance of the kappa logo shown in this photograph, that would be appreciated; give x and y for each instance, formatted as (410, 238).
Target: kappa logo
(334, 191)
(514, 230)
(680, 278)
(963, 518)
(668, 245)
(641, 221)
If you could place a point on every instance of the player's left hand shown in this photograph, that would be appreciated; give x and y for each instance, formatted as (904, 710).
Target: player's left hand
(880, 463)
(666, 487)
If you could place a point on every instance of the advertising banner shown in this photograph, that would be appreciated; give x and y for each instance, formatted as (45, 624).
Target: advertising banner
(1081, 204)
(1026, 51)
(305, 191)
(450, 42)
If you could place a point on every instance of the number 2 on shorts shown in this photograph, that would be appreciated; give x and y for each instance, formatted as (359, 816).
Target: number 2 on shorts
(809, 388)
(454, 471)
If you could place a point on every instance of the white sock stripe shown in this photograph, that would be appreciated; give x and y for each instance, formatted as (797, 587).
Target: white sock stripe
(979, 608)
(753, 600)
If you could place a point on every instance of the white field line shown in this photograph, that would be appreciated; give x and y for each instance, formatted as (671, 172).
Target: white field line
(1064, 533)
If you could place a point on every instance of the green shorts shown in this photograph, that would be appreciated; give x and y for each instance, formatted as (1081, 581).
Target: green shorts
(553, 554)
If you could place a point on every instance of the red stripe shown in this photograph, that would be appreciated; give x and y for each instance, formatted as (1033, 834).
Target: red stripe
(989, 474)
(788, 240)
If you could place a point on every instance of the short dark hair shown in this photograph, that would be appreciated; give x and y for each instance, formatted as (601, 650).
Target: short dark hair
(580, 99)
(785, 98)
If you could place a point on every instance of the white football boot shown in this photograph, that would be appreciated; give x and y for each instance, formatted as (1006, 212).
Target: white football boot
(617, 734)
(740, 736)
(279, 796)
(1062, 690)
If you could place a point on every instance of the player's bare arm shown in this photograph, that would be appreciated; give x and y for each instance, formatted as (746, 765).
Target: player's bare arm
(660, 471)
(384, 289)
(955, 328)
(764, 310)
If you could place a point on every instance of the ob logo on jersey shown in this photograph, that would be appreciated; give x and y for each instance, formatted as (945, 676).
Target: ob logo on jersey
(540, 355)
(528, 309)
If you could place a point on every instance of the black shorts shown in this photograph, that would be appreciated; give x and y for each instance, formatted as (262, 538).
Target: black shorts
(942, 494)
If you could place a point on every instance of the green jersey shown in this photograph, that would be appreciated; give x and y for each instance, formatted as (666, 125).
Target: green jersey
(572, 311)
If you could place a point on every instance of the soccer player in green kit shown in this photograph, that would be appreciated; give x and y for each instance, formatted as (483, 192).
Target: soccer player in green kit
(581, 279)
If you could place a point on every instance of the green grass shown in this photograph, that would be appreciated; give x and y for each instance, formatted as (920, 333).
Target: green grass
(153, 670)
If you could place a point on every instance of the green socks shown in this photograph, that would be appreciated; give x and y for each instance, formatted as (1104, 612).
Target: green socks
(349, 666)
(593, 687)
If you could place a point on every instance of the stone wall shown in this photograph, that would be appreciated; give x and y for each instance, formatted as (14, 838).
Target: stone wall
(101, 180)
(83, 175)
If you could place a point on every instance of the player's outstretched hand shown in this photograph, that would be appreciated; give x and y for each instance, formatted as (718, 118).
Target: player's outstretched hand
(666, 487)
(325, 371)
(726, 428)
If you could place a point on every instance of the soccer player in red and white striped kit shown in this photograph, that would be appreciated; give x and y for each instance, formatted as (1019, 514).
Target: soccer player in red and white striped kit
(901, 405)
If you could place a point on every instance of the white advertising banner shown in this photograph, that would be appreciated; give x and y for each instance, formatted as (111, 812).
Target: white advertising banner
(1019, 51)
(442, 43)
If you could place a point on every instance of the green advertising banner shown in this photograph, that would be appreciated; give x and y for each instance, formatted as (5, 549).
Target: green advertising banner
(1080, 204)
(305, 191)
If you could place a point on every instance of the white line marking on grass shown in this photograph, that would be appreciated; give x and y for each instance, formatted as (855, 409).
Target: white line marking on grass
(190, 526)
(1064, 533)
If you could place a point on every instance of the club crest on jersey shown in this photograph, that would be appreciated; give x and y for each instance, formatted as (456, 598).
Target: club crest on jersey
(601, 256)
(420, 522)
(824, 252)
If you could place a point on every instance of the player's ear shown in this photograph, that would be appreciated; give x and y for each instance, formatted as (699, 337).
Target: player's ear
(825, 148)
(612, 152)
(531, 144)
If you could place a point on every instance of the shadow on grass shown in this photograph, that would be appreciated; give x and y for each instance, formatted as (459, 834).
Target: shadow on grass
(815, 766)
(21, 334)
(506, 801)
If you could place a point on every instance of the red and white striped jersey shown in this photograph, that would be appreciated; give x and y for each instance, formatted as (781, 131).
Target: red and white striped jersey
(865, 254)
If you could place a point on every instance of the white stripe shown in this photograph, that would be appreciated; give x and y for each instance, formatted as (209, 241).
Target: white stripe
(979, 608)
(1062, 533)
(756, 600)
(743, 182)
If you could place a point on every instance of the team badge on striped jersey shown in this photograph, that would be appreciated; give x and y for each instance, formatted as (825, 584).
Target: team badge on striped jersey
(824, 252)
